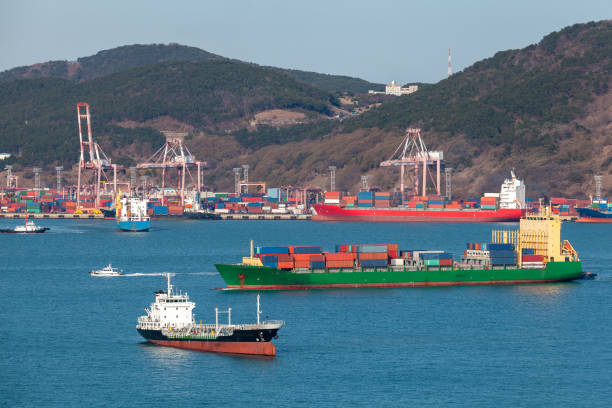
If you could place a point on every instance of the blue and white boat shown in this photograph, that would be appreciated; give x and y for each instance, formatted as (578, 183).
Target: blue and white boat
(131, 213)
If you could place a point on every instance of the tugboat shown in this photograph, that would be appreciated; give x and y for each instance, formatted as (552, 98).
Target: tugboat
(28, 228)
(170, 322)
(107, 271)
(131, 213)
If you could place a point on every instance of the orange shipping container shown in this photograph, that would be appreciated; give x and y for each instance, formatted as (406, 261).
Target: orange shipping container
(285, 265)
(302, 264)
(372, 256)
(301, 257)
(339, 264)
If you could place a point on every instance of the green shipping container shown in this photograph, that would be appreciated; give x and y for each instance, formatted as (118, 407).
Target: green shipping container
(488, 207)
(432, 262)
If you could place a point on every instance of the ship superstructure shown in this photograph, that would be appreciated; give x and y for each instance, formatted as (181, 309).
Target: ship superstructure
(169, 321)
(512, 194)
(131, 213)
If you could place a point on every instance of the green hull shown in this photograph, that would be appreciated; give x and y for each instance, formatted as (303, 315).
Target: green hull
(261, 277)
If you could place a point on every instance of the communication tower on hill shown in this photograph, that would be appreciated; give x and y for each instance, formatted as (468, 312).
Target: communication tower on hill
(97, 162)
(413, 152)
(174, 155)
(450, 70)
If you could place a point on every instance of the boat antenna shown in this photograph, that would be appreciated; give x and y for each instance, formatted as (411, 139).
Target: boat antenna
(168, 276)
(251, 248)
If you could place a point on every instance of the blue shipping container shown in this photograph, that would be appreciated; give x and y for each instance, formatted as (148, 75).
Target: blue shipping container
(493, 247)
(307, 250)
(273, 250)
(160, 209)
(372, 248)
(374, 263)
(317, 265)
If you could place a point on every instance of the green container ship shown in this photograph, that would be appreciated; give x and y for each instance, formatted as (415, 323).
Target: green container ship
(534, 253)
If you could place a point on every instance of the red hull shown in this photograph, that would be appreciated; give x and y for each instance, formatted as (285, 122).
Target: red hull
(326, 212)
(601, 220)
(389, 285)
(254, 348)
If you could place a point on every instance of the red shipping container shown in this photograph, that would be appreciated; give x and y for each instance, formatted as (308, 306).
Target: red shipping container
(340, 256)
(317, 258)
(302, 264)
(533, 258)
(284, 258)
(446, 262)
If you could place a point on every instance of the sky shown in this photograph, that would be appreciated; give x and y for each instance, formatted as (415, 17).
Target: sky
(377, 40)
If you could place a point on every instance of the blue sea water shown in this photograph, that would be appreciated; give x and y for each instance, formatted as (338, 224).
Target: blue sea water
(68, 339)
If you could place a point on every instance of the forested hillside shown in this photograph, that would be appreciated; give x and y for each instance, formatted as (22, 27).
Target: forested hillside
(544, 110)
(138, 55)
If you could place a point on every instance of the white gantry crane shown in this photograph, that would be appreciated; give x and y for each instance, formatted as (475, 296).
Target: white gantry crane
(413, 152)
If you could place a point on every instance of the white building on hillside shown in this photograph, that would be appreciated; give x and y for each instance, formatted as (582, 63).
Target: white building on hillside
(397, 90)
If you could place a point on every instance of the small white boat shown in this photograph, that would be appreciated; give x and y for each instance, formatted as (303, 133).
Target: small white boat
(27, 228)
(107, 271)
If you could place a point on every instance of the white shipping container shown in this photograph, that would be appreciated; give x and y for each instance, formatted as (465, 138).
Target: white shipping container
(491, 195)
(332, 201)
(266, 208)
(222, 210)
(397, 262)
(279, 211)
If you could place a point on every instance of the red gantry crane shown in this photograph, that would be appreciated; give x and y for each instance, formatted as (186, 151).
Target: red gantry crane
(174, 154)
(413, 152)
(98, 162)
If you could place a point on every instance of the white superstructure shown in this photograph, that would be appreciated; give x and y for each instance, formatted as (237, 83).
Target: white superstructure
(512, 194)
(29, 226)
(132, 209)
(170, 310)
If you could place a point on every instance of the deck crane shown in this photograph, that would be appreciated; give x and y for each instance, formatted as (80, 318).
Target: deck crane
(174, 154)
(413, 152)
(98, 162)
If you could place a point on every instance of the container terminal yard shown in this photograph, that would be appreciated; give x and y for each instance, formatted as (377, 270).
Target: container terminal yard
(173, 189)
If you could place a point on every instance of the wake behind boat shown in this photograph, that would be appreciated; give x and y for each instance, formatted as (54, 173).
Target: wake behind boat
(107, 271)
(28, 228)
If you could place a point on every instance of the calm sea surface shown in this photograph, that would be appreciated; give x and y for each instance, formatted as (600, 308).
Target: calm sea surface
(68, 339)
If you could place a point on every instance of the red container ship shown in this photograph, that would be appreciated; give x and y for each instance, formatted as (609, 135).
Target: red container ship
(507, 206)
(330, 212)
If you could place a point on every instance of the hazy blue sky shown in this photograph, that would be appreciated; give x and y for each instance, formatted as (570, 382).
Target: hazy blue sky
(377, 40)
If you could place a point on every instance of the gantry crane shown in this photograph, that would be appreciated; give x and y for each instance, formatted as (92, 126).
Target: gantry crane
(413, 152)
(174, 154)
(98, 162)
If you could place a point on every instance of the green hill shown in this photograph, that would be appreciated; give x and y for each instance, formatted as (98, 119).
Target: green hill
(37, 122)
(544, 109)
(138, 55)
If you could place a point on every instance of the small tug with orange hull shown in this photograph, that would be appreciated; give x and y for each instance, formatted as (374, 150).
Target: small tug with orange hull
(170, 322)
